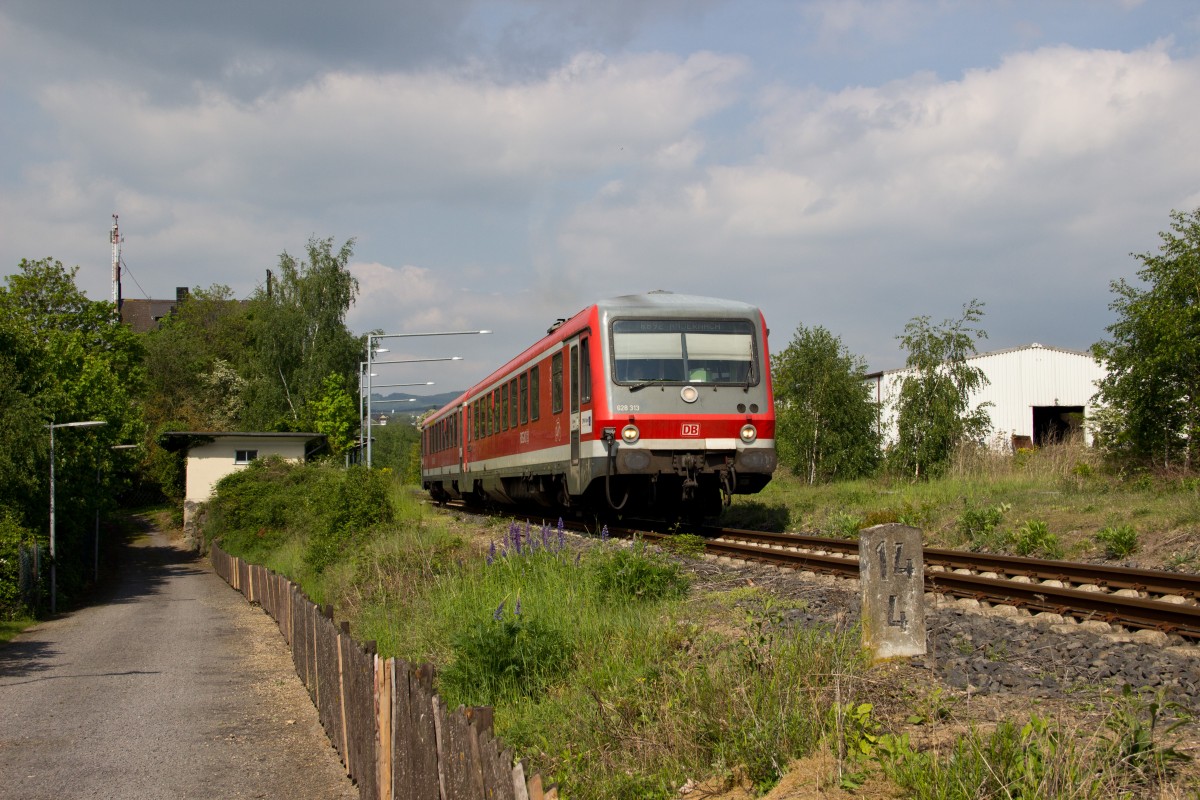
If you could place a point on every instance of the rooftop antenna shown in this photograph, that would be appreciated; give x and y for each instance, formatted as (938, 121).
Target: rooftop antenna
(115, 238)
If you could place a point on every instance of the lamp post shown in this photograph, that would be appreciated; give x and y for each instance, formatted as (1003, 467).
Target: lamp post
(370, 387)
(373, 339)
(364, 377)
(91, 423)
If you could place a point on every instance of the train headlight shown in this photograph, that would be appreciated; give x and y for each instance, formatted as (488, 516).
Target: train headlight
(749, 433)
(630, 434)
(689, 394)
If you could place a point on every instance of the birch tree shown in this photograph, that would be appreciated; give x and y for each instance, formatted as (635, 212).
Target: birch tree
(933, 412)
(825, 419)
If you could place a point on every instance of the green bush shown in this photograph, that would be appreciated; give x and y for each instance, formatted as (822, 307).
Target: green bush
(357, 500)
(505, 658)
(12, 537)
(258, 509)
(637, 574)
(1119, 540)
(977, 526)
(1034, 538)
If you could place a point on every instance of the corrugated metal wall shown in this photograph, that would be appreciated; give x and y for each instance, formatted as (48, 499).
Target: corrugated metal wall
(1018, 380)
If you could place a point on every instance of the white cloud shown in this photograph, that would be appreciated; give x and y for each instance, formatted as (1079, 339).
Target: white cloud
(439, 135)
(1023, 185)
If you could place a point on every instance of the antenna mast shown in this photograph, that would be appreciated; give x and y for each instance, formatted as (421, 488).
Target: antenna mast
(115, 238)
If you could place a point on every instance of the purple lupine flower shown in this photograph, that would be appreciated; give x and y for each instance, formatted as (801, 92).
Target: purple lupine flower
(604, 534)
(562, 538)
(578, 557)
(499, 612)
(491, 556)
(517, 609)
(546, 537)
(515, 532)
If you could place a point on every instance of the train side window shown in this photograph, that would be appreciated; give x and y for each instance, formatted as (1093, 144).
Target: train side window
(504, 407)
(535, 392)
(496, 411)
(512, 403)
(556, 383)
(524, 397)
(585, 372)
(574, 378)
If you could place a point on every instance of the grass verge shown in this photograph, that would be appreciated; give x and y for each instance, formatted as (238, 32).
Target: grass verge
(618, 673)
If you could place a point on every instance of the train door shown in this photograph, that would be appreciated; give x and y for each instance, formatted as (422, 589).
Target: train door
(462, 437)
(573, 390)
(581, 414)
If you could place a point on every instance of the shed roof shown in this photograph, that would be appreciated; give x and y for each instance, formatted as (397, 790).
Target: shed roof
(184, 440)
(1004, 351)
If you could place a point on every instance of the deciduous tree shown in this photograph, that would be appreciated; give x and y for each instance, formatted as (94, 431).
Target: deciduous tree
(933, 412)
(64, 359)
(335, 414)
(298, 335)
(1152, 391)
(825, 417)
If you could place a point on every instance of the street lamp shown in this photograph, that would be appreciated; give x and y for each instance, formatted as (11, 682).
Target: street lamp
(91, 423)
(373, 339)
(370, 387)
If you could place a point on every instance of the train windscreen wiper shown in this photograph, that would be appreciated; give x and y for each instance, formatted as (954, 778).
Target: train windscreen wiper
(644, 384)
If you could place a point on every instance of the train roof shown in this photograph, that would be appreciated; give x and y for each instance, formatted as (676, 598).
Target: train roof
(657, 302)
(669, 302)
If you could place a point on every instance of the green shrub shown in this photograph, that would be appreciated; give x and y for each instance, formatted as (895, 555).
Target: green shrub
(505, 658)
(12, 537)
(1119, 540)
(358, 499)
(258, 509)
(977, 526)
(637, 574)
(1034, 538)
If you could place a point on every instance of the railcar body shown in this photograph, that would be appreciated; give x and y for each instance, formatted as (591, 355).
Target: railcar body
(655, 403)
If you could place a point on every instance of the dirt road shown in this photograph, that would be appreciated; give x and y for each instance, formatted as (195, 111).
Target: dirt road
(173, 687)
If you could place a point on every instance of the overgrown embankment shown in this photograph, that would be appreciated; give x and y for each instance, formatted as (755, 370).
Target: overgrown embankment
(619, 673)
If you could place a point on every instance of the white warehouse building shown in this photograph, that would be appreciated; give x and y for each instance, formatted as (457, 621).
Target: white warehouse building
(1037, 393)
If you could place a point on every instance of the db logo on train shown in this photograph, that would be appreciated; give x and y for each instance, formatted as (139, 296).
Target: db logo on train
(690, 429)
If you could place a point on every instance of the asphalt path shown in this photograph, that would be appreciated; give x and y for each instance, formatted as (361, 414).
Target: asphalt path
(172, 687)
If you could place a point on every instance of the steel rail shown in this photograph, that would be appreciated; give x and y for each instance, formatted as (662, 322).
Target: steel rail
(1104, 576)
(1134, 612)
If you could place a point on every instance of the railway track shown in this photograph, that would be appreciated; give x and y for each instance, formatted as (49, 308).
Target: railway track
(1133, 598)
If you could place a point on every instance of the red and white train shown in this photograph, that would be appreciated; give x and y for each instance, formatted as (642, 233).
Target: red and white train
(656, 403)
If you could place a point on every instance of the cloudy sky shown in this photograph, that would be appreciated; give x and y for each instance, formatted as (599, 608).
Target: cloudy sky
(844, 163)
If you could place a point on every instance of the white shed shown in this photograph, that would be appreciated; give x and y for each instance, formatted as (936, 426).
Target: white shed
(211, 455)
(1037, 393)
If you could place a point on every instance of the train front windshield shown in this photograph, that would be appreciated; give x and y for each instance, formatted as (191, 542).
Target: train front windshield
(684, 351)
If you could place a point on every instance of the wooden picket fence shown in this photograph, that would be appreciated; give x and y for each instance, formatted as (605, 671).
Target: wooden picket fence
(393, 733)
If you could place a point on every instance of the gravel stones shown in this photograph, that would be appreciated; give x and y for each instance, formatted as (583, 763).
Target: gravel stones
(987, 650)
